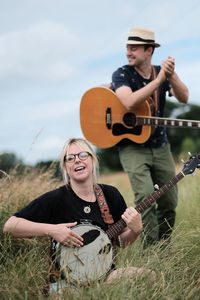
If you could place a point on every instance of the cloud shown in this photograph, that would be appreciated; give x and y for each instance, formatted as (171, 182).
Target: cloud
(40, 51)
(49, 148)
(52, 143)
(52, 110)
(190, 73)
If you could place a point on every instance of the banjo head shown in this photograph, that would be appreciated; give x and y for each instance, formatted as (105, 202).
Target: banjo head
(89, 262)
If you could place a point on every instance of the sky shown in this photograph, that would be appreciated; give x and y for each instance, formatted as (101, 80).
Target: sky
(53, 51)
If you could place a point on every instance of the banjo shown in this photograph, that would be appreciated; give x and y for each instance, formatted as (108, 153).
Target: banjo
(94, 259)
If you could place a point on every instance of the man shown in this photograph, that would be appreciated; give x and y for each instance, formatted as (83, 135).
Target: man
(149, 163)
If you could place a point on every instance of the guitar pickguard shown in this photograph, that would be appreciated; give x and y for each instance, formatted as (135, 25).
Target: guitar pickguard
(119, 129)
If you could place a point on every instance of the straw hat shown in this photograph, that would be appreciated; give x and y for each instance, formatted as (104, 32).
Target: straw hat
(141, 36)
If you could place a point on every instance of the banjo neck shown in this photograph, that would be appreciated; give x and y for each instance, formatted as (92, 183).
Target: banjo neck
(115, 229)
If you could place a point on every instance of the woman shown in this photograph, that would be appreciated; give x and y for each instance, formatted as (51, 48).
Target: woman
(55, 213)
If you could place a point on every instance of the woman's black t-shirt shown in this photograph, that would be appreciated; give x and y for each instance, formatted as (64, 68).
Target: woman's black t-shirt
(62, 205)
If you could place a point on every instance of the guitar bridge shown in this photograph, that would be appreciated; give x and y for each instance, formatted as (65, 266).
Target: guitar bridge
(108, 118)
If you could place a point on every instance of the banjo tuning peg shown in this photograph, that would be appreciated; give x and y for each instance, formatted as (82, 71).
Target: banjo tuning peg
(156, 187)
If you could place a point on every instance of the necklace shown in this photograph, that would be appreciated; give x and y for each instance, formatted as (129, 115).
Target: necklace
(87, 209)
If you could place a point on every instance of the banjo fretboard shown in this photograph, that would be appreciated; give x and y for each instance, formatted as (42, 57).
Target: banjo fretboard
(115, 229)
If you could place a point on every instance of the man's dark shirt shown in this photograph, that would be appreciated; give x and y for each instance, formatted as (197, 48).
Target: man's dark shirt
(128, 76)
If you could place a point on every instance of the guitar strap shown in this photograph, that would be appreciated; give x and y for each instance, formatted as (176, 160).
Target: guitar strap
(106, 215)
(105, 212)
(155, 93)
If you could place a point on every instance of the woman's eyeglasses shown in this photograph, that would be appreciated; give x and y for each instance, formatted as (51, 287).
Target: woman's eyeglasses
(70, 158)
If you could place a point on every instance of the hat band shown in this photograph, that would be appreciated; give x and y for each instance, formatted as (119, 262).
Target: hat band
(137, 38)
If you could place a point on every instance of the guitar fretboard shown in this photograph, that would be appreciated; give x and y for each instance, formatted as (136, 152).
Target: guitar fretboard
(115, 229)
(154, 121)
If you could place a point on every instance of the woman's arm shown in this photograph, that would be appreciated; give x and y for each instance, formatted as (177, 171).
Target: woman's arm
(62, 233)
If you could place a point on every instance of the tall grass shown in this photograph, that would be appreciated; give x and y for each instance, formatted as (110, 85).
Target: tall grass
(24, 262)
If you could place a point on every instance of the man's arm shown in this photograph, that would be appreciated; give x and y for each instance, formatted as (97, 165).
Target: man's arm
(130, 99)
(179, 90)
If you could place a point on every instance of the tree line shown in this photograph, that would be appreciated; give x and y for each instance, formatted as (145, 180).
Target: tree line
(182, 140)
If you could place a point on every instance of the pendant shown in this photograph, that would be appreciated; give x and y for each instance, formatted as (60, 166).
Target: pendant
(87, 209)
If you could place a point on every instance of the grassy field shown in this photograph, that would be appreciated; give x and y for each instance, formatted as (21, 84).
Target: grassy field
(24, 263)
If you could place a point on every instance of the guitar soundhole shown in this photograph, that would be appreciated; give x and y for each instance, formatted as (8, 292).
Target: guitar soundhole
(129, 119)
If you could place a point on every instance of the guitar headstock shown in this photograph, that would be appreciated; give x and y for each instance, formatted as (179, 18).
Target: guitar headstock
(193, 163)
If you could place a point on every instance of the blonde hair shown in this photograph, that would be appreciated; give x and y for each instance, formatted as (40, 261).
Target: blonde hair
(84, 146)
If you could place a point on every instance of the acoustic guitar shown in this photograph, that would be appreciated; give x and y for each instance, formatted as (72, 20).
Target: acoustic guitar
(105, 121)
(95, 258)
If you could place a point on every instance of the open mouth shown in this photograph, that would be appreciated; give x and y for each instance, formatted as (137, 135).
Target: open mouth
(79, 169)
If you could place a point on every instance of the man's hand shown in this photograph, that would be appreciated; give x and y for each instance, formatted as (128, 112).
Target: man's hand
(161, 76)
(168, 65)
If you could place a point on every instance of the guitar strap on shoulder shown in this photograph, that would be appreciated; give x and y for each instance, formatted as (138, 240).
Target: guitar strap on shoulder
(156, 92)
(106, 215)
(105, 212)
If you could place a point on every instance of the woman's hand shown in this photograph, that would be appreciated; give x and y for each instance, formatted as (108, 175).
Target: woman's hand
(63, 234)
(133, 220)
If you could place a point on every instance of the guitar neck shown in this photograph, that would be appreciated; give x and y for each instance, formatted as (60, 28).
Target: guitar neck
(115, 229)
(154, 121)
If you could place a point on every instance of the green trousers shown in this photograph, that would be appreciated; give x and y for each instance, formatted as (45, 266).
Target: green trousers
(145, 168)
